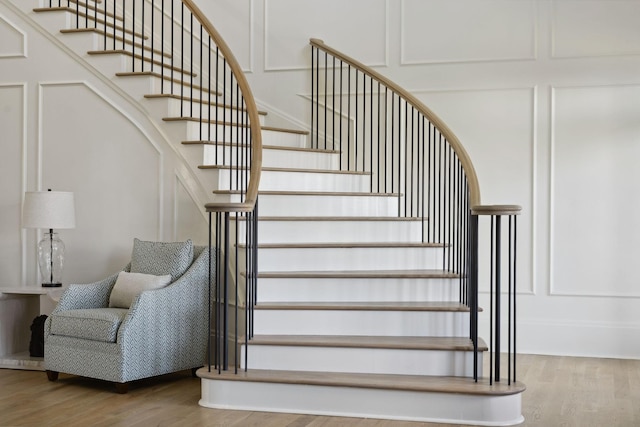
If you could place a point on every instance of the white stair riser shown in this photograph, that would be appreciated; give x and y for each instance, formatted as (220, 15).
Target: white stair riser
(357, 290)
(170, 107)
(284, 139)
(361, 360)
(331, 259)
(140, 85)
(337, 231)
(363, 402)
(56, 20)
(311, 205)
(361, 322)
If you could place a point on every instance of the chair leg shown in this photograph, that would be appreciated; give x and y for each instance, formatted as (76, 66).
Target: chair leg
(52, 375)
(122, 388)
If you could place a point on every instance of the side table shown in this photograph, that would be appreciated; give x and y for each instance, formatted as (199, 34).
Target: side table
(18, 307)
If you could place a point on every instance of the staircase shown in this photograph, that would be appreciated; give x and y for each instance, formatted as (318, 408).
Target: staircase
(350, 311)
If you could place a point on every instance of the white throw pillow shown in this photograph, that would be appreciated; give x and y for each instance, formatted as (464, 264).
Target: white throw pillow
(130, 285)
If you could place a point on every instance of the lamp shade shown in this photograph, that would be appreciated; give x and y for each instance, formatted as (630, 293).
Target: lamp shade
(48, 209)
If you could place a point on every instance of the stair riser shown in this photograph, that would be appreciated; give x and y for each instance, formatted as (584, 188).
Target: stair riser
(363, 402)
(56, 20)
(337, 231)
(361, 360)
(310, 205)
(331, 259)
(138, 86)
(361, 322)
(357, 290)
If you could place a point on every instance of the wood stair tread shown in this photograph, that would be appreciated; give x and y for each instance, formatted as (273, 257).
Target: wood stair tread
(293, 170)
(337, 218)
(146, 59)
(224, 123)
(99, 31)
(311, 193)
(184, 82)
(366, 306)
(100, 21)
(360, 274)
(362, 341)
(186, 98)
(337, 245)
(416, 383)
(264, 147)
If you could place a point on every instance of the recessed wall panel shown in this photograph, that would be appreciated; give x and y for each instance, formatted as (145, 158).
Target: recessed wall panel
(12, 142)
(595, 28)
(595, 223)
(236, 28)
(496, 127)
(87, 146)
(467, 30)
(355, 27)
(12, 40)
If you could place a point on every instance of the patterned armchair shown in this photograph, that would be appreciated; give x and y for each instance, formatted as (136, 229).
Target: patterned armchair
(164, 330)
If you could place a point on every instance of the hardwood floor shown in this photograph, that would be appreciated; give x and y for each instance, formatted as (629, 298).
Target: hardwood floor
(561, 391)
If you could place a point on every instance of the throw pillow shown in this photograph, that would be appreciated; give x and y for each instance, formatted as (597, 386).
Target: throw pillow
(130, 285)
(160, 258)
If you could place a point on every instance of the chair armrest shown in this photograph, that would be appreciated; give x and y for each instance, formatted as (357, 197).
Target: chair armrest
(92, 295)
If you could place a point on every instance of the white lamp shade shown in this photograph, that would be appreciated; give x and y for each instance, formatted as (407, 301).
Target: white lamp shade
(48, 209)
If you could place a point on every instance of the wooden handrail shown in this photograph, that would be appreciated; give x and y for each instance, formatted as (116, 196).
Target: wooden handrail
(254, 119)
(463, 156)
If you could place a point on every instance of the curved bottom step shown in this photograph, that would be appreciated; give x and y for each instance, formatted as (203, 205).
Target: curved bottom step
(453, 400)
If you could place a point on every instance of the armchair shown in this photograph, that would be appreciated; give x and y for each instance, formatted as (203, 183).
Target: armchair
(164, 330)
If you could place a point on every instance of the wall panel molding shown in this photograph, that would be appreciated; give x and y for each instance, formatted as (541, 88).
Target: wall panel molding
(13, 40)
(467, 31)
(293, 34)
(594, 28)
(593, 221)
(528, 97)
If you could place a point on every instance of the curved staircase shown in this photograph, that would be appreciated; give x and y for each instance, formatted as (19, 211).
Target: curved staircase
(352, 312)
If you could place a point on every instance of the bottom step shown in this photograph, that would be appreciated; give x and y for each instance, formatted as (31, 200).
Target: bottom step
(452, 400)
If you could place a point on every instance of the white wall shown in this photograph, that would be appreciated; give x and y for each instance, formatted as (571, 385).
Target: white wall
(543, 94)
(67, 128)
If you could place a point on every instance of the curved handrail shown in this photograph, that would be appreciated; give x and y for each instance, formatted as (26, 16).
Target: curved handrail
(465, 160)
(251, 195)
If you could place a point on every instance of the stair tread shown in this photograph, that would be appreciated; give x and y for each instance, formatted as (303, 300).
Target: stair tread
(185, 98)
(119, 38)
(362, 341)
(337, 218)
(146, 59)
(220, 122)
(185, 82)
(366, 306)
(264, 147)
(417, 383)
(294, 170)
(337, 245)
(366, 274)
(313, 193)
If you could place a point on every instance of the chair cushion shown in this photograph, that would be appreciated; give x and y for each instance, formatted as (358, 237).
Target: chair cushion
(97, 324)
(161, 258)
(130, 285)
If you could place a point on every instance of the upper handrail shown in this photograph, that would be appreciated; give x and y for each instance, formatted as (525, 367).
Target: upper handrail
(454, 142)
(251, 195)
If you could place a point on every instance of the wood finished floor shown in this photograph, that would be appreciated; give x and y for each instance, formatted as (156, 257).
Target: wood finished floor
(561, 391)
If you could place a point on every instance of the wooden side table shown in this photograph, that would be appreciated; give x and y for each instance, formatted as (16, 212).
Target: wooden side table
(18, 307)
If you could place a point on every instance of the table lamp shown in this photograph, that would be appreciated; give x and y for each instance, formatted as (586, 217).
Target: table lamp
(49, 210)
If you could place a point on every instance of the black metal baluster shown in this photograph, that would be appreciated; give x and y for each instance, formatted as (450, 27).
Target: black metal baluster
(348, 117)
(491, 330)
(355, 127)
(209, 348)
(340, 116)
(498, 295)
(325, 99)
(313, 94)
(333, 105)
(162, 70)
